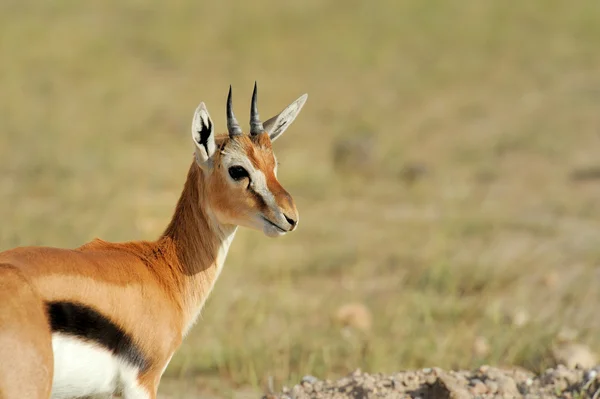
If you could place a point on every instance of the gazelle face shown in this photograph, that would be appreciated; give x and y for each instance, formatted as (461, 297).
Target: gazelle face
(241, 170)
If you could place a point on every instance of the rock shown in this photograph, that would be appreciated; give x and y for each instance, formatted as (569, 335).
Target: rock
(309, 379)
(447, 387)
(507, 387)
(307, 387)
(591, 375)
(492, 386)
(484, 382)
(483, 369)
(573, 354)
(478, 387)
(317, 386)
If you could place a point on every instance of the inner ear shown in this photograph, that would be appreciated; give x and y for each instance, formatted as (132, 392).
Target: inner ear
(204, 133)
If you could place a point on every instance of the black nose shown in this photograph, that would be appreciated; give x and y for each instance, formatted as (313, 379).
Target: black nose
(290, 221)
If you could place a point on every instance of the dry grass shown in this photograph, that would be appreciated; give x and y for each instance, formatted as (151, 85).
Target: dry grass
(495, 103)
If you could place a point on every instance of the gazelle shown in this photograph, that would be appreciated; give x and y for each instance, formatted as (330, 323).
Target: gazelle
(105, 318)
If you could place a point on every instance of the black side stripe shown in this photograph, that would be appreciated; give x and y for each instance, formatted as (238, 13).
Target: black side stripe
(84, 322)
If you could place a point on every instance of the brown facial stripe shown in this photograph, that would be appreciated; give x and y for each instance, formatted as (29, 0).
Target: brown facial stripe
(262, 204)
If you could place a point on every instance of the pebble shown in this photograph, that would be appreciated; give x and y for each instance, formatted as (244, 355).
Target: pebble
(309, 379)
(479, 388)
(484, 382)
(492, 386)
(572, 354)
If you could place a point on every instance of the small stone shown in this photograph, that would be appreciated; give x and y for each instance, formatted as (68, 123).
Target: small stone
(309, 379)
(492, 386)
(344, 381)
(507, 386)
(591, 374)
(446, 386)
(297, 390)
(436, 383)
(307, 387)
(368, 385)
(388, 384)
(478, 388)
(318, 386)
(573, 354)
(475, 381)
(560, 385)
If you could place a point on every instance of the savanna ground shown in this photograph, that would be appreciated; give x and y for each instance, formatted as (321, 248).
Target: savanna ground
(446, 169)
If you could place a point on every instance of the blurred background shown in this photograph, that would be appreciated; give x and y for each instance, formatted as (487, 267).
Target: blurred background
(445, 168)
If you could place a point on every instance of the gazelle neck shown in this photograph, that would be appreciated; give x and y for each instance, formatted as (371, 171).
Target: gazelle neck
(199, 243)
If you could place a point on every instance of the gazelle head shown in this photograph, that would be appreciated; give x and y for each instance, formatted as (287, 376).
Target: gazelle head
(240, 170)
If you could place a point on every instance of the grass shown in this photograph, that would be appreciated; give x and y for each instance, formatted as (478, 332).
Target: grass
(496, 102)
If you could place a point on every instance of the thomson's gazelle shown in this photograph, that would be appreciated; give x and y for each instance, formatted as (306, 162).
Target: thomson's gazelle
(106, 318)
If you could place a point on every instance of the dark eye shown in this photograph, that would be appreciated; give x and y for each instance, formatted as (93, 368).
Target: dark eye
(238, 173)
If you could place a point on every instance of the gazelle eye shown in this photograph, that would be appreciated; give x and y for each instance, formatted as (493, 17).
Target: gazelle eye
(238, 173)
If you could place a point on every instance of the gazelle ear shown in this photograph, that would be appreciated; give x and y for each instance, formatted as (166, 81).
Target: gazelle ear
(203, 136)
(279, 123)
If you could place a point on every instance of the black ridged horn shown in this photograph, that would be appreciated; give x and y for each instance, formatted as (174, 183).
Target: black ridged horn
(256, 126)
(233, 127)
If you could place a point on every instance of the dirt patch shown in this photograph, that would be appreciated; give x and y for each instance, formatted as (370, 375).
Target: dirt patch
(484, 382)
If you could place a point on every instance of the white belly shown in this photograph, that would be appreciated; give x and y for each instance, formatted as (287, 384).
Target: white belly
(85, 369)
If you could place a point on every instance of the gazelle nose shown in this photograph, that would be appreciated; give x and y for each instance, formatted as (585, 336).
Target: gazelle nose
(291, 221)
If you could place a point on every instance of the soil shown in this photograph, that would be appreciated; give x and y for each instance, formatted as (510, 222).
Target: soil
(484, 382)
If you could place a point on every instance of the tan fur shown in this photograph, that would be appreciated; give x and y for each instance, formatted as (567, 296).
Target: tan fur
(153, 290)
(25, 349)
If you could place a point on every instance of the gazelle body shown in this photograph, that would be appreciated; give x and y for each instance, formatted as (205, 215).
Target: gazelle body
(106, 318)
